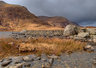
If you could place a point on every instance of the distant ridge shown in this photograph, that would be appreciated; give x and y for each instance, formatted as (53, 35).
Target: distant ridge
(56, 21)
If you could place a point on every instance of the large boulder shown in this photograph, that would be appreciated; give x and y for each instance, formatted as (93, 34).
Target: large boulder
(71, 30)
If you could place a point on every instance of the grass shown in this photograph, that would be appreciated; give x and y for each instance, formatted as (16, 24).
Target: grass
(9, 47)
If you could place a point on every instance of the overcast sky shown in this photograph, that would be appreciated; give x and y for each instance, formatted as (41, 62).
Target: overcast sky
(80, 11)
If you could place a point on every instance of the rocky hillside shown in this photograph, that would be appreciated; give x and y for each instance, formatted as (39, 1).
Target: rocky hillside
(14, 15)
(56, 21)
(17, 18)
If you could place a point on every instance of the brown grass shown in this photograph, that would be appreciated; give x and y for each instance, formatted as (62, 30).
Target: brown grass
(56, 46)
(9, 47)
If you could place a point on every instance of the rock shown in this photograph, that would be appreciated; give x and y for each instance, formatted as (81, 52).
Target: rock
(79, 38)
(44, 57)
(88, 48)
(6, 62)
(53, 57)
(92, 31)
(94, 60)
(46, 65)
(18, 60)
(38, 58)
(71, 30)
(29, 58)
(94, 38)
(27, 65)
(17, 66)
(83, 35)
(23, 31)
(51, 61)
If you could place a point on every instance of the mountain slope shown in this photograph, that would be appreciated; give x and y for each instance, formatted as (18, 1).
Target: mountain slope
(16, 16)
(56, 21)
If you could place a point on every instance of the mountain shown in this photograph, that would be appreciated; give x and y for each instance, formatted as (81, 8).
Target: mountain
(16, 16)
(56, 21)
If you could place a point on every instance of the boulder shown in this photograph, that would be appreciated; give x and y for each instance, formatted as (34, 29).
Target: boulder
(83, 35)
(71, 30)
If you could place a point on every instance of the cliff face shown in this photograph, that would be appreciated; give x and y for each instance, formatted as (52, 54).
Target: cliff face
(56, 21)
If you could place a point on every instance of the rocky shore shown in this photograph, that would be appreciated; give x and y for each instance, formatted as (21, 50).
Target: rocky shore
(70, 32)
(74, 60)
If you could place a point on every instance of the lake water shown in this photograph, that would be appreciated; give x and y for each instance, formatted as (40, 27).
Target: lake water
(5, 34)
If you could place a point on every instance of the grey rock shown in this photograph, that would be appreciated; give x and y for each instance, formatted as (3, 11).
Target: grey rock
(88, 48)
(53, 57)
(83, 35)
(27, 65)
(23, 31)
(18, 60)
(51, 61)
(6, 62)
(17, 66)
(44, 57)
(46, 65)
(92, 31)
(29, 58)
(71, 30)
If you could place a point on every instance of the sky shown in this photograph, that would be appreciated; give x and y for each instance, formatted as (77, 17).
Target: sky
(81, 11)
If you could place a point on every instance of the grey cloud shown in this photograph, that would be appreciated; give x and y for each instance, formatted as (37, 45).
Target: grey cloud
(81, 11)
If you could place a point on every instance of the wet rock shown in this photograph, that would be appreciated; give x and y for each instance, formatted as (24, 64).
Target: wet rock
(6, 62)
(88, 48)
